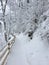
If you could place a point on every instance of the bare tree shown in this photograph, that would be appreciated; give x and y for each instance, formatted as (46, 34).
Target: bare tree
(3, 4)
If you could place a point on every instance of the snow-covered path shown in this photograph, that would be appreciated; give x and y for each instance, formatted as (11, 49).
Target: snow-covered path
(17, 56)
(26, 52)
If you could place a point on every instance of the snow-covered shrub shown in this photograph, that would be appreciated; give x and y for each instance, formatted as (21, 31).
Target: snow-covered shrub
(42, 18)
(40, 6)
(44, 28)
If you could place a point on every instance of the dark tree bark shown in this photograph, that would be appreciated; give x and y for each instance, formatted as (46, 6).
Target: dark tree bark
(27, 1)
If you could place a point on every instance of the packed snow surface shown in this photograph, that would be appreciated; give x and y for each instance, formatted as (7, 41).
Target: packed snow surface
(29, 52)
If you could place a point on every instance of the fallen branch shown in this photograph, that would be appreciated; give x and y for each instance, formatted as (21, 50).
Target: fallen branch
(6, 50)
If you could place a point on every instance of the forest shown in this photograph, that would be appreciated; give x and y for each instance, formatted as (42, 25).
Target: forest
(24, 32)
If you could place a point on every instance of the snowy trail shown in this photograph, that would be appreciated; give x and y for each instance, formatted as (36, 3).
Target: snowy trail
(17, 56)
(25, 52)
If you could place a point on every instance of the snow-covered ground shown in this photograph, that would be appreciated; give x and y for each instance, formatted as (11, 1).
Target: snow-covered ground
(29, 52)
